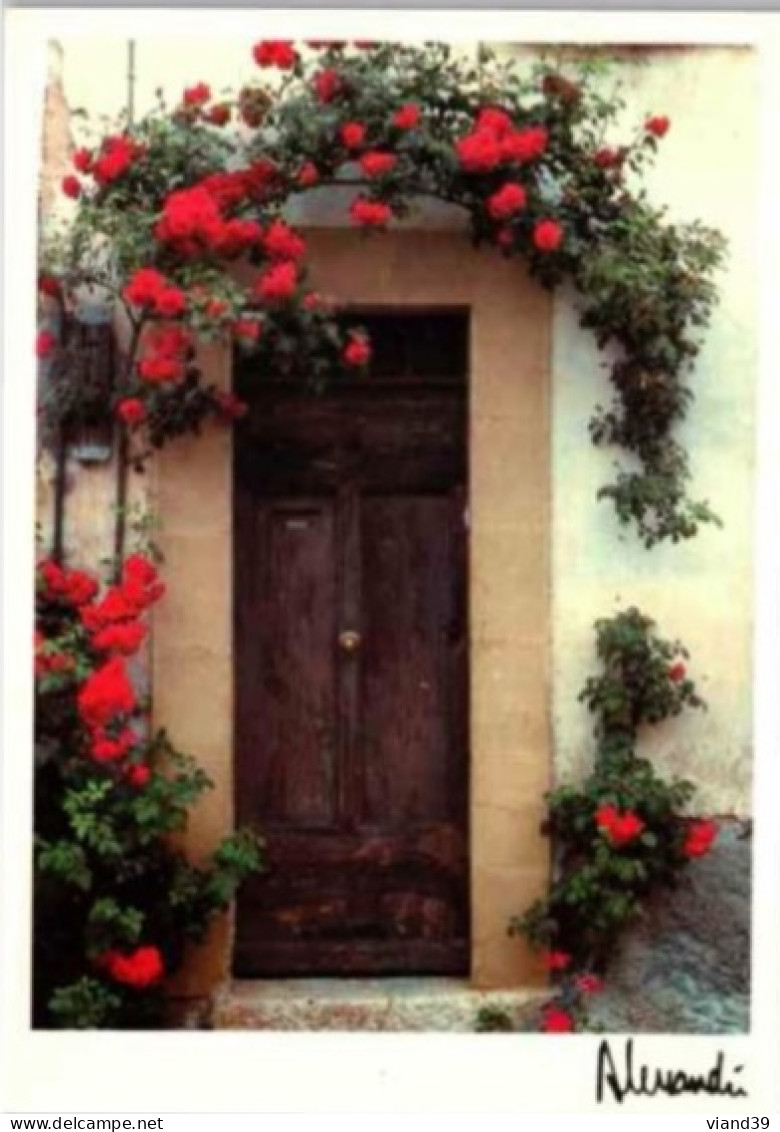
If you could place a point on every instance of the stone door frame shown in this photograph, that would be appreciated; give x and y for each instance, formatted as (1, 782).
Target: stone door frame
(509, 578)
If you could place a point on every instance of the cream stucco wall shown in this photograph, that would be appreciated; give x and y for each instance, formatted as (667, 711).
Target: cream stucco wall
(700, 591)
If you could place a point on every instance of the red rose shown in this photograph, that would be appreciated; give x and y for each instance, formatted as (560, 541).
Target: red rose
(547, 235)
(357, 352)
(677, 671)
(197, 95)
(376, 164)
(49, 285)
(496, 122)
(556, 960)
(71, 186)
(478, 152)
(79, 587)
(45, 343)
(131, 411)
(215, 309)
(170, 302)
(608, 158)
(588, 984)
(314, 301)
(278, 283)
(138, 774)
(352, 134)
(657, 126)
(619, 828)
(218, 115)
(248, 329)
(275, 53)
(144, 287)
(524, 145)
(194, 214)
(106, 749)
(125, 638)
(116, 156)
(282, 243)
(82, 160)
(508, 200)
(160, 368)
(308, 175)
(557, 1021)
(230, 406)
(327, 85)
(699, 837)
(106, 693)
(372, 213)
(141, 968)
(407, 117)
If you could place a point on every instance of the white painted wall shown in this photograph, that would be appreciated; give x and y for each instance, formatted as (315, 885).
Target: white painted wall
(700, 591)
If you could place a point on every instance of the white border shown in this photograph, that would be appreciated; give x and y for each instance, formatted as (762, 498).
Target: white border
(259, 1072)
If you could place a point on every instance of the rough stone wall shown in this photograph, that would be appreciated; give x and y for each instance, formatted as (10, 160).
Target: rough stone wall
(57, 140)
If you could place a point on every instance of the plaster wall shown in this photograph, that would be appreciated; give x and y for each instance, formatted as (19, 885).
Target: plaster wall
(700, 591)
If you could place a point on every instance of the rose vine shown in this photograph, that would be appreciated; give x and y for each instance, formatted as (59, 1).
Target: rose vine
(168, 206)
(621, 835)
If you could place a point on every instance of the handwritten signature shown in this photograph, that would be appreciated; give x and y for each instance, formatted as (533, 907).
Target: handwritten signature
(642, 1080)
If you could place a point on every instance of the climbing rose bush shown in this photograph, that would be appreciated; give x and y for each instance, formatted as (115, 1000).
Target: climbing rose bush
(116, 902)
(623, 834)
(192, 202)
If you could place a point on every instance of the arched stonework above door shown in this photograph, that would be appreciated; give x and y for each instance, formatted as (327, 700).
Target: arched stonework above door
(509, 598)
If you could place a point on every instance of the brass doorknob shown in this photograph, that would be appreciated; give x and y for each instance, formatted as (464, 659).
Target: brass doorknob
(349, 640)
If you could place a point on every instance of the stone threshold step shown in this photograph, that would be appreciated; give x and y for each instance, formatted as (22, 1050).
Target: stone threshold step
(433, 1005)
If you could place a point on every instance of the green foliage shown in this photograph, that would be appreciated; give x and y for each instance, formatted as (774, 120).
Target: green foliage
(86, 1004)
(493, 1020)
(601, 884)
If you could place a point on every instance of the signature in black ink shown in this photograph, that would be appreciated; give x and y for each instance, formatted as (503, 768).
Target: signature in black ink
(642, 1081)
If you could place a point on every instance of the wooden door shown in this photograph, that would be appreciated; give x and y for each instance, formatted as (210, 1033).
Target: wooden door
(351, 678)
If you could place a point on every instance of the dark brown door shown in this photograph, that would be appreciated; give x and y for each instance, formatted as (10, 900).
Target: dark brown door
(351, 678)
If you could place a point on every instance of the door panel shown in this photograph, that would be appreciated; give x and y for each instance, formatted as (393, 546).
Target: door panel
(286, 694)
(353, 761)
(410, 622)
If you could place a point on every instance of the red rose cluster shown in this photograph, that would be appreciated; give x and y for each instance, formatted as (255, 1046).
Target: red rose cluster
(619, 828)
(370, 213)
(116, 155)
(150, 290)
(106, 694)
(495, 141)
(141, 968)
(73, 587)
(699, 838)
(327, 85)
(275, 53)
(165, 355)
(106, 697)
(193, 223)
